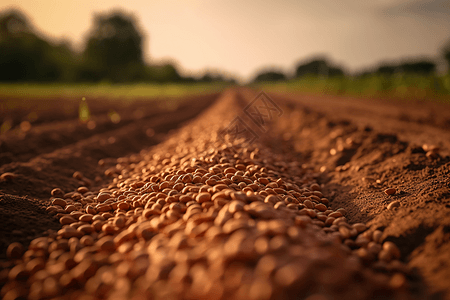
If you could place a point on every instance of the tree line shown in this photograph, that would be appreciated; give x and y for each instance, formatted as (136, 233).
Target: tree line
(113, 53)
(322, 67)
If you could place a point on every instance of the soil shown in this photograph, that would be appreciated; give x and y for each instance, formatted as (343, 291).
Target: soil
(358, 148)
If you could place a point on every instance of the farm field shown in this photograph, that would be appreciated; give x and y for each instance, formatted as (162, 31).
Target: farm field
(230, 194)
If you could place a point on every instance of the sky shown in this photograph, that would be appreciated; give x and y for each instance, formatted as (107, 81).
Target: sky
(242, 37)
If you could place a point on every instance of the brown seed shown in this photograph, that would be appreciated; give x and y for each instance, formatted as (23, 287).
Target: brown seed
(376, 237)
(87, 240)
(60, 202)
(86, 218)
(106, 244)
(385, 255)
(57, 192)
(236, 206)
(360, 227)
(86, 229)
(392, 249)
(342, 211)
(90, 210)
(393, 204)
(15, 250)
(70, 208)
(123, 206)
(272, 199)
(203, 197)
(308, 204)
(66, 220)
(77, 175)
(104, 208)
(108, 229)
(390, 191)
(335, 214)
(8, 176)
(320, 207)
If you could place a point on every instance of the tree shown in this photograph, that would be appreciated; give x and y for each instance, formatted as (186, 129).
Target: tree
(386, 69)
(318, 67)
(113, 49)
(24, 55)
(446, 55)
(418, 67)
(269, 76)
(162, 73)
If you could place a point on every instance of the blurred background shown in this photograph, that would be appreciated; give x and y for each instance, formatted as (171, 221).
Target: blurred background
(398, 48)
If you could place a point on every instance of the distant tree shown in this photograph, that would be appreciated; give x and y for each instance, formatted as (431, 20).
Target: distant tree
(335, 71)
(13, 22)
(113, 49)
(269, 76)
(211, 77)
(386, 69)
(318, 67)
(162, 73)
(418, 67)
(24, 55)
(446, 55)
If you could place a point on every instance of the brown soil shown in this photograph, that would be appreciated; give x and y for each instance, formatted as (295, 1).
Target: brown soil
(358, 148)
(378, 145)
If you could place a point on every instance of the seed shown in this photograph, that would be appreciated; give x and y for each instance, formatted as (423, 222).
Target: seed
(60, 202)
(18, 273)
(308, 204)
(66, 220)
(123, 206)
(86, 218)
(90, 210)
(57, 192)
(320, 207)
(87, 240)
(106, 244)
(203, 197)
(108, 229)
(86, 229)
(390, 191)
(335, 214)
(77, 175)
(392, 249)
(263, 180)
(376, 237)
(15, 251)
(393, 204)
(360, 227)
(70, 208)
(104, 207)
(342, 211)
(8, 176)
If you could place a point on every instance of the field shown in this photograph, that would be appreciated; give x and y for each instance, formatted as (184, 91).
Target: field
(400, 86)
(213, 193)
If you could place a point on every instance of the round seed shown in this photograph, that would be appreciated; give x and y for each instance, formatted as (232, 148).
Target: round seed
(203, 197)
(393, 204)
(15, 251)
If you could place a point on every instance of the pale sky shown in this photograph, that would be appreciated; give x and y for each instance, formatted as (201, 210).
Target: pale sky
(244, 36)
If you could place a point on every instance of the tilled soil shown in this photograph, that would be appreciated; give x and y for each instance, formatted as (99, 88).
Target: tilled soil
(291, 204)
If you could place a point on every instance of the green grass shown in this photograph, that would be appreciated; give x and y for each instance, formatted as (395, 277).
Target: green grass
(406, 86)
(107, 90)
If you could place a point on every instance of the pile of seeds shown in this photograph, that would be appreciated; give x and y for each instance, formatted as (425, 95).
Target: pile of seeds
(198, 218)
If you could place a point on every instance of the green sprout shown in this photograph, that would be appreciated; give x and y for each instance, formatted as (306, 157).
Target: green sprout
(83, 112)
